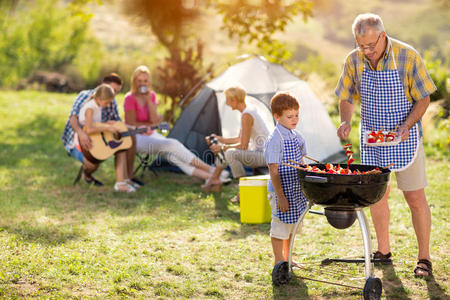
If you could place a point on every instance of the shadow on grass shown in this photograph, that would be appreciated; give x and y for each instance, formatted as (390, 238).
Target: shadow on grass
(435, 291)
(296, 289)
(39, 138)
(48, 235)
(392, 285)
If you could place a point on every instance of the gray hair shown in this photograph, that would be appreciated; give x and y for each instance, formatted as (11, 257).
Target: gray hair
(365, 21)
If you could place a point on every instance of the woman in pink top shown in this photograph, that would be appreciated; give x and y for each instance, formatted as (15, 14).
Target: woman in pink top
(140, 110)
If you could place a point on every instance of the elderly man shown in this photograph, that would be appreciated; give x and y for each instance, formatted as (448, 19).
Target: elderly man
(389, 79)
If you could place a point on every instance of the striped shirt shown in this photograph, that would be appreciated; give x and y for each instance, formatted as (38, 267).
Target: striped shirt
(415, 79)
(108, 113)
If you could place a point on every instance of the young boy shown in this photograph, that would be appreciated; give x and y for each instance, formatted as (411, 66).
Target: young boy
(286, 198)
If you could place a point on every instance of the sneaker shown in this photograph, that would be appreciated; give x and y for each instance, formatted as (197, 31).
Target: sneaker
(123, 186)
(225, 176)
(91, 180)
(137, 182)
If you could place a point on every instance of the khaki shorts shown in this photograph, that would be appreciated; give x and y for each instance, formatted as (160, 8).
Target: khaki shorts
(278, 229)
(415, 176)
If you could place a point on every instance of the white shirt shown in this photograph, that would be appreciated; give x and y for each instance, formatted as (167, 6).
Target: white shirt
(97, 112)
(259, 132)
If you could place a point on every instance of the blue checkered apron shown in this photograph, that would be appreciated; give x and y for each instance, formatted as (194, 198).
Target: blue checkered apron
(384, 105)
(290, 182)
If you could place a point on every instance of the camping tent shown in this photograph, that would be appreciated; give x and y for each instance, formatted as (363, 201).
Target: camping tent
(207, 112)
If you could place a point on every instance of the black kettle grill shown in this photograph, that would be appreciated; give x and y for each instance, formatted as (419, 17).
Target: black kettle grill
(343, 197)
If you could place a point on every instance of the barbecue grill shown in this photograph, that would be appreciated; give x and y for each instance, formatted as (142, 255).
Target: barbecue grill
(343, 197)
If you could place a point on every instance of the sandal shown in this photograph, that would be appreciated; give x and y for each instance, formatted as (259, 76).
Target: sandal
(384, 259)
(423, 265)
(211, 187)
(123, 186)
(236, 199)
(132, 183)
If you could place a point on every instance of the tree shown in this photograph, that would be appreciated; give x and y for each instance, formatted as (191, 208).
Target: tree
(257, 22)
(171, 21)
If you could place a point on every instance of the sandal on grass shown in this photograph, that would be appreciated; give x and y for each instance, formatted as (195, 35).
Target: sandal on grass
(384, 259)
(424, 268)
(123, 186)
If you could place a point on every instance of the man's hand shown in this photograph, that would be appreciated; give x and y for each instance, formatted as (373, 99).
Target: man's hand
(403, 132)
(344, 130)
(85, 140)
(283, 204)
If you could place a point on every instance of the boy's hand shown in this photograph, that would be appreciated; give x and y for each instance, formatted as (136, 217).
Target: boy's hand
(283, 204)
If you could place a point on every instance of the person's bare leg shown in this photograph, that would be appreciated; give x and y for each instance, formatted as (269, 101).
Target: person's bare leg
(89, 168)
(277, 246)
(131, 153)
(214, 178)
(380, 217)
(120, 163)
(421, 219)
(286, 244)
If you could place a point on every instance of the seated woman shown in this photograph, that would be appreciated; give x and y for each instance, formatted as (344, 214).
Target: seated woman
(247, 149)
(141, 110)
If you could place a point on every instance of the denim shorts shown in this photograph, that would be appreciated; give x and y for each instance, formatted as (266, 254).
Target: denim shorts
(75, 153)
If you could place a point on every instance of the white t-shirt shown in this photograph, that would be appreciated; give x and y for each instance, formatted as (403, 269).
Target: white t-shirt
(259, 132)
(97, 112)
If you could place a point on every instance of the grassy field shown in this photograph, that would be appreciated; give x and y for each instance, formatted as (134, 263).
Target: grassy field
(169, 240)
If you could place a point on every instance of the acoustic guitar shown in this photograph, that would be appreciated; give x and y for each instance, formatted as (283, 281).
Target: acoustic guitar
(105, 144)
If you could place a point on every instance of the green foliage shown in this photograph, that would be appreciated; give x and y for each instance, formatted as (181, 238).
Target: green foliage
(31, 40)
(439, 72)
(256, 22)
(169, 20)
(315, 63)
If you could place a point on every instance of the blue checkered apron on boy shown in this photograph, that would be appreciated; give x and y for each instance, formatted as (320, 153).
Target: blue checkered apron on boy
(290, 182)
(384, 106)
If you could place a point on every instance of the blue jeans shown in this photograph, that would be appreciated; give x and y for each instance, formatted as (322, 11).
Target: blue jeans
(75, 153)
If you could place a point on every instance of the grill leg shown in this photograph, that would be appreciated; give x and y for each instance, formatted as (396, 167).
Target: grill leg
(368, 265)
(291, 244)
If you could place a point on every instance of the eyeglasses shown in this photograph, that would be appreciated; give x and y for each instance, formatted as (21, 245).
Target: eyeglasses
(369, 47)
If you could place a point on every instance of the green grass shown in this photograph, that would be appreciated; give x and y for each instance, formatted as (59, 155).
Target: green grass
(169, 240)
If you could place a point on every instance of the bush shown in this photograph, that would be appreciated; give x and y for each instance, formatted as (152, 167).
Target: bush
(39, 35)
(438, 70)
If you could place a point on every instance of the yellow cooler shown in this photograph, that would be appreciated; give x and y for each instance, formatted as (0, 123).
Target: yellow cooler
(255, 207)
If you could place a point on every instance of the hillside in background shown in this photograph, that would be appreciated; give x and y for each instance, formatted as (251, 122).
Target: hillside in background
(423, 23)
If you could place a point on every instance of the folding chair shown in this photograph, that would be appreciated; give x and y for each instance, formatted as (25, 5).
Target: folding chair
(80, 171)
(145, 162)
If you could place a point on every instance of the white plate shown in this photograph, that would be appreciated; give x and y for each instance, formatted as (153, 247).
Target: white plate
(396, 141)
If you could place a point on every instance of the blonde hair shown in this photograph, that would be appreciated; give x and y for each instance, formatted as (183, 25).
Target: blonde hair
(103, 92)
(365, 21)
(139, 70)
(236, 92)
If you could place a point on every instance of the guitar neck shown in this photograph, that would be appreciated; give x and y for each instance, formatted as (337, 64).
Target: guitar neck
(138, 130)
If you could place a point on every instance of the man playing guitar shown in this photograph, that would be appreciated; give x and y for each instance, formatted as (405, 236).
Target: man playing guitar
(73, 126)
